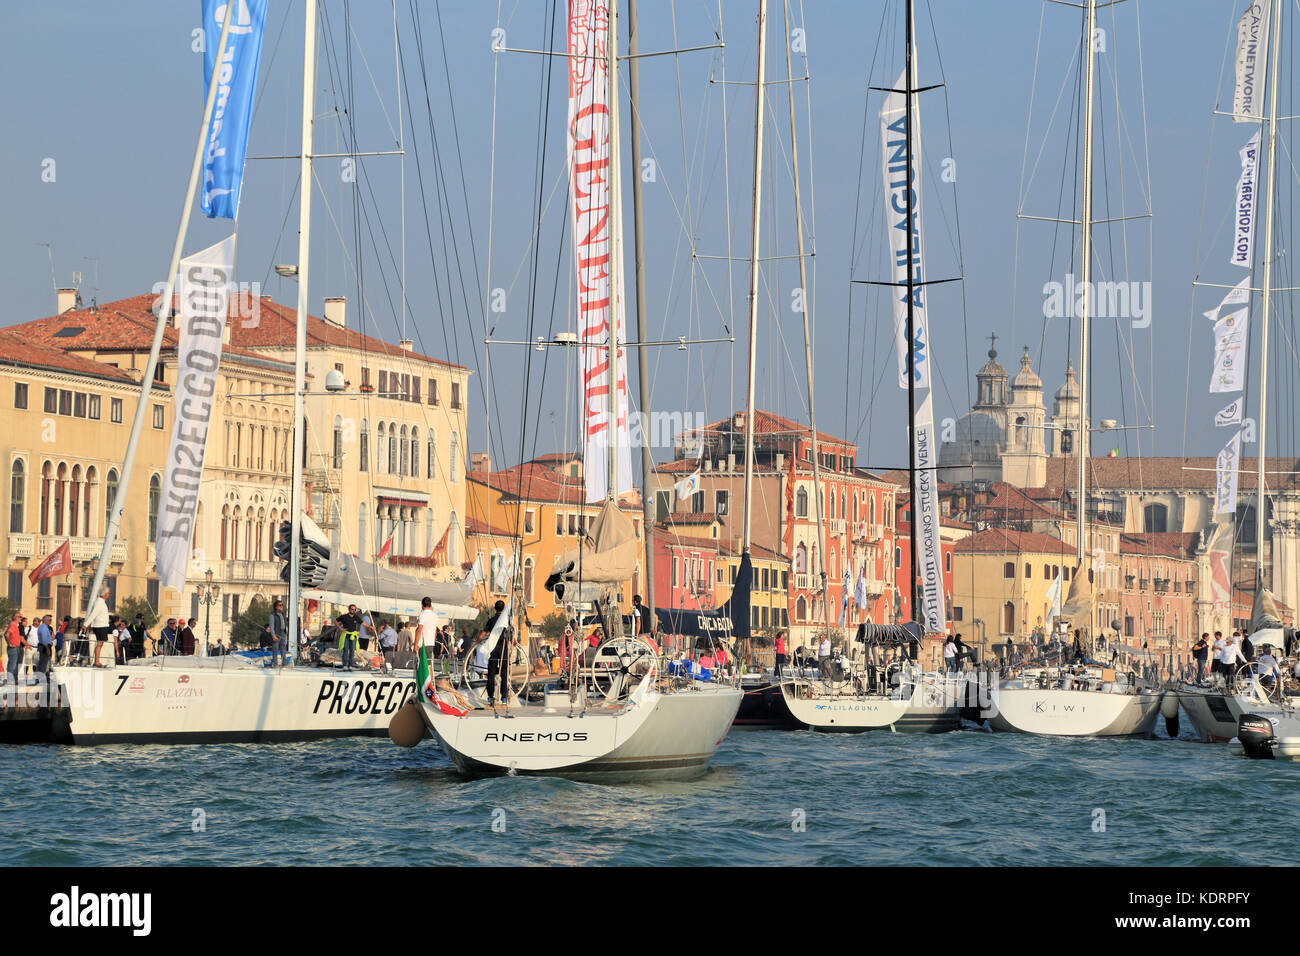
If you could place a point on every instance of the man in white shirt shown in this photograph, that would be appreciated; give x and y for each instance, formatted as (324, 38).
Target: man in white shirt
(1267, 668)
(1230, 656)
(426, 627)
(1216, 654)
(98, 621)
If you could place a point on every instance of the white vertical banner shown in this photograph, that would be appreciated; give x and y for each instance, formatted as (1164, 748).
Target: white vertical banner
(1225, 474)
(596, 207)
(1243, 232)
(893, 143)
(1237, 296)
(203, 288)
(1252, 63)
(925, 456)
(1230, 353)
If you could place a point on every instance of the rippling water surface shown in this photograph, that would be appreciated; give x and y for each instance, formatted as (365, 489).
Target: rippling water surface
(872, 799)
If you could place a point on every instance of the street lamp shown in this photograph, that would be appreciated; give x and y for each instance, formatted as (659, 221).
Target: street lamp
(207, 593)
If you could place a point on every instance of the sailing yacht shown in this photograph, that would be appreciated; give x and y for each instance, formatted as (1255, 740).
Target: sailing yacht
(1086, 699)
(855, 695)
(617, 711)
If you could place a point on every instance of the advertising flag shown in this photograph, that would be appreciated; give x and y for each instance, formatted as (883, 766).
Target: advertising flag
(1225, 484)
(1243, 213)
(925, 509)
(893, 141)
(687, 486)
(1252, 61)
(1239, 295)
(59, 561)
(1229, 373)
(232, 111)
(1230, 415)
(204, 292)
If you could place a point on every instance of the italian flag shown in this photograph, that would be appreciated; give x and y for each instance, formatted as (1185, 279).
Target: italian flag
(1113, 453)
(424, 680)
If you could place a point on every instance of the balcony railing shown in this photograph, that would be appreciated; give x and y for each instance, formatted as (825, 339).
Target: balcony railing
(262, 572)
(801, 582)
(837, 525)
(39, 546)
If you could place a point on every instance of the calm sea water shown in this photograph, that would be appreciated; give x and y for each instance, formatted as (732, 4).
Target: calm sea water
(872, 799)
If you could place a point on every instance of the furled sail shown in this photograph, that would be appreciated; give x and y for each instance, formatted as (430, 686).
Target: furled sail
(322, 567)
(731, 619)
(1264, 615)
(607, 554)
(1078, 602)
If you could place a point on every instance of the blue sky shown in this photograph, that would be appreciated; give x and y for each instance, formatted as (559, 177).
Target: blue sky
(112, 94)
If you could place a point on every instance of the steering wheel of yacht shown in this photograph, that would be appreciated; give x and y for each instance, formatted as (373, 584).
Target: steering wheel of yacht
(1247, 681)
(618, 664)
(468, 671)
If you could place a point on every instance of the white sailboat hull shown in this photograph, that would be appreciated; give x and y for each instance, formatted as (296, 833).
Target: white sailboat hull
(175, 703)
(653, 735)
(922, 712)
(1072, 713)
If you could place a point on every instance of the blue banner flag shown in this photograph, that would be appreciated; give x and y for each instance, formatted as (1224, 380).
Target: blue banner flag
(232, 113)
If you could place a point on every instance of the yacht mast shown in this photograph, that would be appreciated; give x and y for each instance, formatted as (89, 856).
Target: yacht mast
(300, 338)
(615, 253)
(638, 255)
(114, 522)
(1085, 299)
(909, 84)
(746, 534)
(1268, 266)
(807, 331)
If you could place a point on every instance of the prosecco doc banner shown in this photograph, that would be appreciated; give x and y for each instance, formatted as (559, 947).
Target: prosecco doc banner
(204, 291)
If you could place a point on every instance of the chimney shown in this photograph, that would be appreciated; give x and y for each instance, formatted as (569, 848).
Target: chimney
(67, 300)
(780, 461)
(406, 345)
(335, 311)
(731, 462)
(480, 461)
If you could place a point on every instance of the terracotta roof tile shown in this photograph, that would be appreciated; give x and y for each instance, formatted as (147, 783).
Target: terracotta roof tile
(1122, 474)
(1003, 541)
(21, 349)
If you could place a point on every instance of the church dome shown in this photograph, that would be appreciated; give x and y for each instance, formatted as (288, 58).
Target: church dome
(1069, 390)
(1026, 377)
(979, 438)
(993, 367)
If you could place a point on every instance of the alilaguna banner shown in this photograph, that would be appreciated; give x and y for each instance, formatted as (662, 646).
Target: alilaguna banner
(204, 292)
(893, 142)
(597, 245)
(232, 112)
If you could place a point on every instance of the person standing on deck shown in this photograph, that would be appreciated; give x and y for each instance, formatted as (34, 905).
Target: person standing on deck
(1200, 650)
(14, 647)
(98, 621)
(279, 626)
(349, 628)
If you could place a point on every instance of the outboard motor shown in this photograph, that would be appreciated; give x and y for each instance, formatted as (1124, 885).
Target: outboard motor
(1256, 736)
(1169, 710)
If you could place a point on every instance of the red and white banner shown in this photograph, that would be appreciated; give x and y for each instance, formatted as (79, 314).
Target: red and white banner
(594, 187)
(59, 561)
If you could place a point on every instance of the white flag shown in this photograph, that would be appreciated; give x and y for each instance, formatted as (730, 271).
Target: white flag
(1243, 213)
(1239, 295)
(503, 621)
(687, 486)
(1231, 415)
(203, 290)
(1252, 60)
(1054, 600)
(860, 597)
(1225, 485)
(925, 509)
(893, 142)
(846, 586)
(1229, 373)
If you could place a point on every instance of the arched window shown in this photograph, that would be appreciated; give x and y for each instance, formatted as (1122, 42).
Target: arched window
(275, 449)
(361, 531)
(528, 580)
(1028, 571)
(1008, 618)
(454, 465)
(392, 450)
(155, 491)
(453, 533)
(800, 558)
(898, 558)
(947, 562)
(801, 503)
(235, 517)
(74, 501)
(844, 500)
(1009, 569)
(381, 450)
(92, 485)
(432, 470)
(855, 511)
(59, 483)
(831, 513)
(1156, 518)
(801, 609)
(404, 456)
(338, 441)
(364, 450)
(17, 495)
(225, 530)
(428, 529)
(415, 453)
(871, 505)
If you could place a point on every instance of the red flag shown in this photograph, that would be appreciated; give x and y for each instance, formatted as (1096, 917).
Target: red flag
(59, 561)
(387, 544)
(439, 554)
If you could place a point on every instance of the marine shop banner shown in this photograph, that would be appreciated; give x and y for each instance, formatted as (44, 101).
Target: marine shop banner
(204, 291)
(1225, 475)
(1243, 233)
(596, 207)
(1252, 62)
(926, 510)
(893, 143)
(232, 112)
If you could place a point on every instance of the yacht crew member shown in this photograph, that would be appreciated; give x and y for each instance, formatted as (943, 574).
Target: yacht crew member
(349, 627)
(97, 620)
(279, 625)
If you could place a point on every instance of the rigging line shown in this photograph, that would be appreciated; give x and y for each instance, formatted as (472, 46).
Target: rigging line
(364, 62)
(279, 35)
